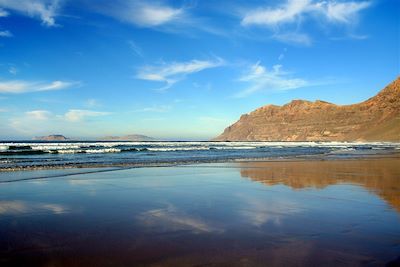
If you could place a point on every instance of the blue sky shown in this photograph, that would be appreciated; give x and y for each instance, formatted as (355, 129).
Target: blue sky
(184, 69)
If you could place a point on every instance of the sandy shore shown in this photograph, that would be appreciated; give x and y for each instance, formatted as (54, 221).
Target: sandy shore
(342, 212)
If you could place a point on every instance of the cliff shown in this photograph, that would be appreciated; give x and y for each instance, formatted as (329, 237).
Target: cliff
(376, 119)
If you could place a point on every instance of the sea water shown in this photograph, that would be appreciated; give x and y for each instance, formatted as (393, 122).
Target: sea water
(15, 155)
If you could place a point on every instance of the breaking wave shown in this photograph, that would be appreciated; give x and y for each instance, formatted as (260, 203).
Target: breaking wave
(21, 154)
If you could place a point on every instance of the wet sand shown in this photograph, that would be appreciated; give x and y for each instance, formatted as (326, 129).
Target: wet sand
(288, 213)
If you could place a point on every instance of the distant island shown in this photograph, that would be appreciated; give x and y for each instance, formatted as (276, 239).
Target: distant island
(376, 119)
(52, 137)
(131, 137)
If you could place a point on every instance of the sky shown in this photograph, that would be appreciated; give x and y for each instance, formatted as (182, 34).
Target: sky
(184, 70)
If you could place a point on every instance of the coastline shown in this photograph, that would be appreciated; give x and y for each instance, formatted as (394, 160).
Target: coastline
(18, 156)
(330, 156)
(307, 211)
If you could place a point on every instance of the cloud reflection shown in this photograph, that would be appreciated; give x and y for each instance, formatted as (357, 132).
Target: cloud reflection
(257, 211)
(173, 219)
(17, 207)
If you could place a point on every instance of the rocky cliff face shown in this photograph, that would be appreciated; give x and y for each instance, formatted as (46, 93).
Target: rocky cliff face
(376, 119)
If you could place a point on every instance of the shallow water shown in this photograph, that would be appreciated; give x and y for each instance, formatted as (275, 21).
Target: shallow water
(291, 213)
(45, 155)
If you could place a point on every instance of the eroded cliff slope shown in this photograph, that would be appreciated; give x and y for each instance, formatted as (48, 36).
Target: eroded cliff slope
(376, 119)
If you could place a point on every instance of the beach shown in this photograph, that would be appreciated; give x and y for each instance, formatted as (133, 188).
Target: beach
(166, 133)
(281, 212)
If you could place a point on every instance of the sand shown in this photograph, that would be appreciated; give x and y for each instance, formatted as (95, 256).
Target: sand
(281, 213)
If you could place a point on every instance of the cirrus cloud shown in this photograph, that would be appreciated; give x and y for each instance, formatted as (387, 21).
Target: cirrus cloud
(39, 114)
(286, 20)
(295, 10)
(19, 86)
(74, 115)
(275, 79)
(176, 71)
(5, 34)
(44, 121)
(45, 10)
(140, 13)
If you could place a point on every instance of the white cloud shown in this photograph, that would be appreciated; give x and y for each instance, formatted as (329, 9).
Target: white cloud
(143, 13)
(285, 20)
(43, 122)
(38, 114)
(45, 10)
(294, 10)
(156, 15)
(344, 12)
(272, 17)
(56, 85)
(18, 86)
(172, 73)
(74, 115)
(15, 86)
(261, 79)
(5, 34)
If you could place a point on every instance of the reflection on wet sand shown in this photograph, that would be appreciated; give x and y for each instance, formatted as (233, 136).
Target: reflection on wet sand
(381, 177)
(172, 219)
(292, 213)
(17, 207)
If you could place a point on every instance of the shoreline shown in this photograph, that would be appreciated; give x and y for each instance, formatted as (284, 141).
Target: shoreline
(190, 215)
(48, 156)
(331, 156)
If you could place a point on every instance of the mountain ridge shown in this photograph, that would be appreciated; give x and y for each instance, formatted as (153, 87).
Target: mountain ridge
(375, 119)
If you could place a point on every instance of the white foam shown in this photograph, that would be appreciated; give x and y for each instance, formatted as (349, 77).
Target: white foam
(69, 151)
(177, 148)
(106, 150)
(111, 147)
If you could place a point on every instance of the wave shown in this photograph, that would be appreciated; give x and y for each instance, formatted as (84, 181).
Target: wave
(106, 150)
(32, 148)
(23, 147)
(22, 152)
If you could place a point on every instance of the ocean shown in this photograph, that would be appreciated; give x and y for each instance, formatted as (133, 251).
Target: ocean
(19, 155)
